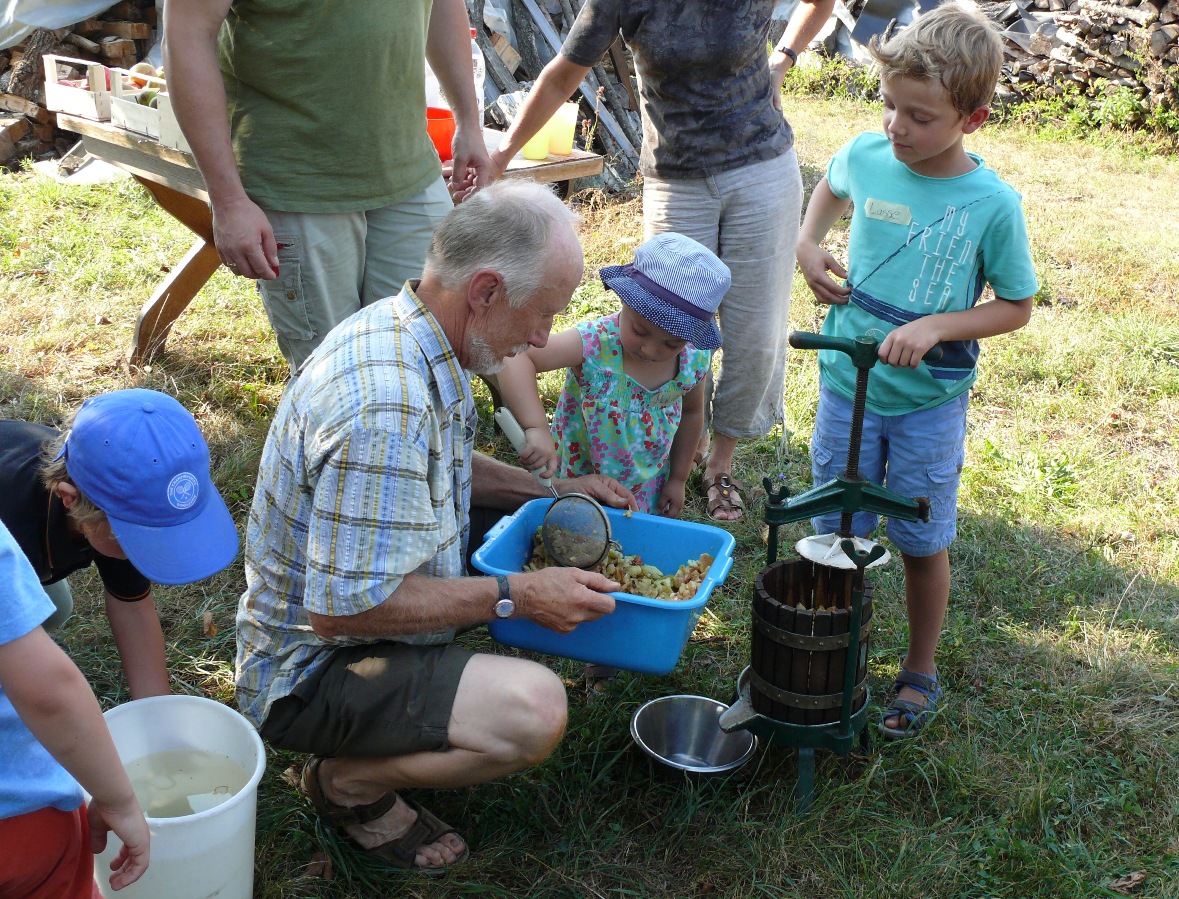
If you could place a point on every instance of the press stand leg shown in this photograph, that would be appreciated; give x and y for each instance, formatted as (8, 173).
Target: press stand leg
(805, 794)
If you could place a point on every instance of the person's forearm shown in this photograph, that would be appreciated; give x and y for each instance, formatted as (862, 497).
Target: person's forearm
(140, 642)
(446, 50)
(56, 704)
(807, 21)
(822, 212)
(498, 485)
(415, 608)
(987, 319)
(517, 386)
(683, 445)
(556, 84)
(198, 93)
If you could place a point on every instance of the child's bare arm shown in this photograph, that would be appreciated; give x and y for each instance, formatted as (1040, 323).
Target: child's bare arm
(683, 448)
(517, 386)
(907, 344)
(140, 641)
(815, 263)
(67, 721)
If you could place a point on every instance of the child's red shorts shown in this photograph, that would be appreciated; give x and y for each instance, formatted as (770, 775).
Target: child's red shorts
(47, 856)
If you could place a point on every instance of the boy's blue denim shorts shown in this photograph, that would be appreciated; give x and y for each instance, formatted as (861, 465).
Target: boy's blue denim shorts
(916, 454)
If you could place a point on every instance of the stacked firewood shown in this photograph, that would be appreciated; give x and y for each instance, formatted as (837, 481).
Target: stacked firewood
(1097, 47)
(120, 37)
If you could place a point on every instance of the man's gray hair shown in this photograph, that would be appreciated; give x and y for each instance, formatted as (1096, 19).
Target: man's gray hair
(505, 227)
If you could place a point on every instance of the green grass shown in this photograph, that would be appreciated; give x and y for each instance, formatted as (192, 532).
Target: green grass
(1051, 771)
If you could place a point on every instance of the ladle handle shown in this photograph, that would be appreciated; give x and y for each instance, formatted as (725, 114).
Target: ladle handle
(515, 434)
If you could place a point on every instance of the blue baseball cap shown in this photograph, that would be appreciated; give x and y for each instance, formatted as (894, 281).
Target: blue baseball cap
(139, 456)
(675, 283)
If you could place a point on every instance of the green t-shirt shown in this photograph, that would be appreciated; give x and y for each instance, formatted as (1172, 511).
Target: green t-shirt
(327, 102)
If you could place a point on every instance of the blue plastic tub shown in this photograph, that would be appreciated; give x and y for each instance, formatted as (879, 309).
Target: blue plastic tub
(642, 634)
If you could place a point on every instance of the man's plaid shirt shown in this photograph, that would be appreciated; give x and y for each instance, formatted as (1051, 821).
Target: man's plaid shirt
(365, 478)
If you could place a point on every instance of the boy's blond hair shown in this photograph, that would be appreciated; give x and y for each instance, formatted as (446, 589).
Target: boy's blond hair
(955, 44)
(83, 512)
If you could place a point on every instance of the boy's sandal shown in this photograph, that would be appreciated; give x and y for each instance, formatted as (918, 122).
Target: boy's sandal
(727, 498)
(913, 716)
(400, 852)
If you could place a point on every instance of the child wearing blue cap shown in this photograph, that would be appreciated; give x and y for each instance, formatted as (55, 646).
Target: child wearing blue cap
(49, 737)
(124, 486)
(633, 402)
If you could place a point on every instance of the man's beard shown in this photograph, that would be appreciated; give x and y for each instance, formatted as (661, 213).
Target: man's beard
(484, 360)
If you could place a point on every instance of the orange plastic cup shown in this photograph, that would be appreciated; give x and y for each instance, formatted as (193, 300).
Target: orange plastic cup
(440, 127)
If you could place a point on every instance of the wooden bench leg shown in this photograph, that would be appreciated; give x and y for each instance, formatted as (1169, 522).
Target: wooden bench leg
(170, 299)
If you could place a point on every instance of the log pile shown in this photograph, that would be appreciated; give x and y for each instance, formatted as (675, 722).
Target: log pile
(1095, 46)
(120, 37)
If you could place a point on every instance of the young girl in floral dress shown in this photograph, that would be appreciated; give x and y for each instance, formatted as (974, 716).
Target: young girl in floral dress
(633, 402)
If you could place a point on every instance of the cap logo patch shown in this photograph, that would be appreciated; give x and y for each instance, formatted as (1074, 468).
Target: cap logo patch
(182, 490)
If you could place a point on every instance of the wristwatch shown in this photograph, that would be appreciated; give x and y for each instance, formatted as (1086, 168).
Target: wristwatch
(504, 605)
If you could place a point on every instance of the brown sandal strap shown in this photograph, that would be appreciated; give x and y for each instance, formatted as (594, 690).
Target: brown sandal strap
(727, 492)
(427, 829)
(339, 815)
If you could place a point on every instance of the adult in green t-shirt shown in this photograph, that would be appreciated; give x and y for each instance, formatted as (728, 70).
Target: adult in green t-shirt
(307, 121)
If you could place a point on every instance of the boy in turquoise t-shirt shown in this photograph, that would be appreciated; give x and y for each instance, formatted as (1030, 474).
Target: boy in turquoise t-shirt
(931, 226)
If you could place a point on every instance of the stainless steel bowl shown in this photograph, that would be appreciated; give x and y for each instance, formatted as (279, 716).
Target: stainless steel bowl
(682, 734)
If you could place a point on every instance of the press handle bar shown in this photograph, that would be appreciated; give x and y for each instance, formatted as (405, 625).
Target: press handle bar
(862, 350)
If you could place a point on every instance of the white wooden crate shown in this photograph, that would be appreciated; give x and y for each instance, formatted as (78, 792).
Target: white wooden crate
(89, 97)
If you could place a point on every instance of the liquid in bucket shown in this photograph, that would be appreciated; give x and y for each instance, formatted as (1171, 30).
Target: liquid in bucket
(179, 782)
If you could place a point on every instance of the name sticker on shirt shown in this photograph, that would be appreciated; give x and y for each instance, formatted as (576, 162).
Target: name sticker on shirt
(897, 213)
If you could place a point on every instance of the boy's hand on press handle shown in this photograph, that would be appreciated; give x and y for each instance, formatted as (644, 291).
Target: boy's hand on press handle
(815, 263)
(539, 454)
(906, 345)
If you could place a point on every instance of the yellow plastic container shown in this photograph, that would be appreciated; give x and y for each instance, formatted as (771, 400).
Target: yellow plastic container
(562, 126)
(538, 145)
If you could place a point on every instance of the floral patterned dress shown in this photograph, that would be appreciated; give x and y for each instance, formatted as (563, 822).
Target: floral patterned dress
(608, 423)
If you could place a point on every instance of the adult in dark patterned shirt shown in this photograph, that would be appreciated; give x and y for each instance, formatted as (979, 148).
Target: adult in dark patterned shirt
(718, 165)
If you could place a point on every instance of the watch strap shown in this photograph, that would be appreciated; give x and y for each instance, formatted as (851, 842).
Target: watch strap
(505, 591)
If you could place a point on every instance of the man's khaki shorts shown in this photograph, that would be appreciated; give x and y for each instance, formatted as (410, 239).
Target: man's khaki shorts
(379, 699)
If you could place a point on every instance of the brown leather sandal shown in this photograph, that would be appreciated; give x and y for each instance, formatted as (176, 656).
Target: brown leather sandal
(401, 852)
(727, 498)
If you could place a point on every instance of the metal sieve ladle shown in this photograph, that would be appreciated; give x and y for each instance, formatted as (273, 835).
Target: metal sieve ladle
(575, 531)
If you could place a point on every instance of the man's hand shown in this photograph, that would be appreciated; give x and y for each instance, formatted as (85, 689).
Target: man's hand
(814, 262)
(907, 344)
(244, 239)
(470, 168)
(604, 489)
(562, 598)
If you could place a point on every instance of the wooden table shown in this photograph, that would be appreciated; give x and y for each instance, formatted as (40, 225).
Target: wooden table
(172, 178)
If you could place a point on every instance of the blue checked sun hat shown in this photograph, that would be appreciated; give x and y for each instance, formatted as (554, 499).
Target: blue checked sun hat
(675, 283)
(139, 456)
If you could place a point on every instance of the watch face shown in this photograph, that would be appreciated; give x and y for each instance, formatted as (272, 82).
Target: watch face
(504, 608)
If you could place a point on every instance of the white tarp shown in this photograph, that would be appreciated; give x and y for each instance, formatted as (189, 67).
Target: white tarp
(22, 16)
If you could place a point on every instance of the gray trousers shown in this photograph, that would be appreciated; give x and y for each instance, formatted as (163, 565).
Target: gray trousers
(750, 218)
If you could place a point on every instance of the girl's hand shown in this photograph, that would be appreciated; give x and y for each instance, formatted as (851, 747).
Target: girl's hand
(815, 263)
(539, 454)
(671, 500)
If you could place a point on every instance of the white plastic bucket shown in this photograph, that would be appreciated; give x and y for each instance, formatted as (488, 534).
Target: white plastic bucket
(209, 853)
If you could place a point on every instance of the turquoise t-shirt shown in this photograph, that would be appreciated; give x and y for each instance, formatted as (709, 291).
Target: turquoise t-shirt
(920, 246)
(30, 778)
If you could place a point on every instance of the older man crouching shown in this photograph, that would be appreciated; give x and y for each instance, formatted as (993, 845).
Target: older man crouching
(356, 541)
